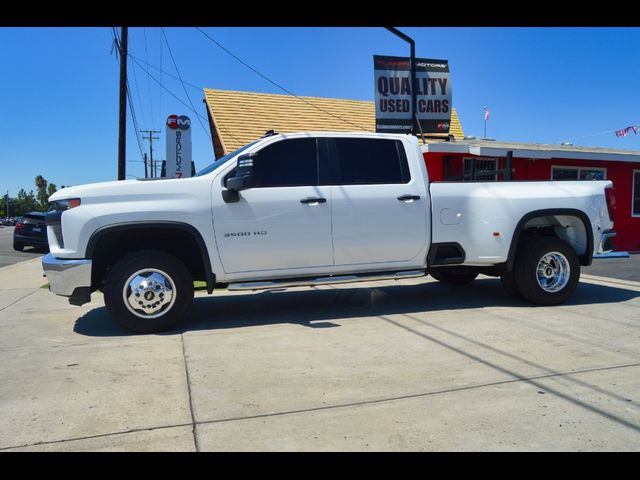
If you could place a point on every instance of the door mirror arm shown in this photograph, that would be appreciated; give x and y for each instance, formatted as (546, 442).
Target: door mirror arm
(242, 180)
(230, 196)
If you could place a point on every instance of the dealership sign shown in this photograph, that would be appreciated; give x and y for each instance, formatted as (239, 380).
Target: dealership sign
(178, 146)
(393, 94)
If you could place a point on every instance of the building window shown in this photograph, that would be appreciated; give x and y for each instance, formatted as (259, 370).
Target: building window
(480, 169)
(578, 173)
(635, 207)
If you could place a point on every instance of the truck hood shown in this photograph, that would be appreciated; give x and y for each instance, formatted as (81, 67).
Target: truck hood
(125, 190)
(90, 189)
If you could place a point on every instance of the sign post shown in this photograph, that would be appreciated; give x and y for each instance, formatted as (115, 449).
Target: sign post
(395, 95)
(178, 146)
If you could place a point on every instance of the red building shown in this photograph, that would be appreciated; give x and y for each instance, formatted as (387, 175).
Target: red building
(483, 160)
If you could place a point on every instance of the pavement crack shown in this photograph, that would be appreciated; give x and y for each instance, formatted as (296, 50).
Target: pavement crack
(89, 437)
(517, 376)
(21, 298)
(186, 370)
(422, 395)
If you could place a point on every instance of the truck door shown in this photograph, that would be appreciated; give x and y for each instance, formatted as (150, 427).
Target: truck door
(379, 203)
(283, 221)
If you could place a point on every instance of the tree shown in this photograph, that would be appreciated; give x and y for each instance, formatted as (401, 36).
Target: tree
(51, 189)
(24, 203)
(3, 206)
(41, 185)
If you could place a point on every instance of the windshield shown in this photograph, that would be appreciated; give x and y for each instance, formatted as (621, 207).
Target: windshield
(222, 160)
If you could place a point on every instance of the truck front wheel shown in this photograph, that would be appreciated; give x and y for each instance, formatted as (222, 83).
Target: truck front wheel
(148, 291)
(547, 271)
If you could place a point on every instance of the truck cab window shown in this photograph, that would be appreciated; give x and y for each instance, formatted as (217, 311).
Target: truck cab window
(365, 161)
(288, 163)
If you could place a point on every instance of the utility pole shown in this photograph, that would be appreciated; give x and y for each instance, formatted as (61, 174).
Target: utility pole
(146, 174)
(122, 133)
(151, 138)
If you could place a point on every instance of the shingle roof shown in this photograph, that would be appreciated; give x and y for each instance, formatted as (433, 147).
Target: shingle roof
(237, 118)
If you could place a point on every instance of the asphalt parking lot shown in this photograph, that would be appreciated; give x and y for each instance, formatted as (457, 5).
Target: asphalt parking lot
(407, 365)
(8, 256)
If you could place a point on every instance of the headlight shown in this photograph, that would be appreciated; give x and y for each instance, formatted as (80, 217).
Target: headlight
(62, 205)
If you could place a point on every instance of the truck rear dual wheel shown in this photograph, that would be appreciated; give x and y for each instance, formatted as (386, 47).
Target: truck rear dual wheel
(149, 291)
(546, 271)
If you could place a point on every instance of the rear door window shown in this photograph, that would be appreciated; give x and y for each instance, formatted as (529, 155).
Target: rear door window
(369, 161)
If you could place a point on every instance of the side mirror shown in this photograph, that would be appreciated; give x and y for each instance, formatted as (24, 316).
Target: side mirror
(242, 180)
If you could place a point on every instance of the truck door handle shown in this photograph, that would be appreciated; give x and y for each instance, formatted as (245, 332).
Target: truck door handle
(406, 198)
(313, 200)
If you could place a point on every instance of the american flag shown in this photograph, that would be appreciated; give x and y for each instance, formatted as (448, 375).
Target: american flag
(486, 114)
(624, 131)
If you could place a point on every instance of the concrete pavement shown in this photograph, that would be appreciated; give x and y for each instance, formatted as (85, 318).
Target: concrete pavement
(620, 268)
(409, 365)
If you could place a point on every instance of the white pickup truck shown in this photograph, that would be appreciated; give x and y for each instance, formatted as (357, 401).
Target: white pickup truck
(303, 209)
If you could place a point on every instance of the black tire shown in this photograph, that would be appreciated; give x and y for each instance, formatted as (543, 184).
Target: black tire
(454, 276)
(559, 286)
(508, 280)
(168, 269)
(18, 246)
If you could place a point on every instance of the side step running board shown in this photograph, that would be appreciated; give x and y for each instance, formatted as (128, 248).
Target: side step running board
(307, 282)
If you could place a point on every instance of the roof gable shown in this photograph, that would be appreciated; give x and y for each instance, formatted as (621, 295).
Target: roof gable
(237, 118)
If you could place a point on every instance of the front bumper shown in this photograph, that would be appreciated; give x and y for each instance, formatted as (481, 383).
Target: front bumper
(69, 278)
(31, 240)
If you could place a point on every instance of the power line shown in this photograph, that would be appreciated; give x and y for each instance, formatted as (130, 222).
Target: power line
(195, 87)
(138, 96)
(278, 85)
(181, 82)
(179, 100)
(166, 89)
(151, 138)
(135, 121)
(128, 92)
(146, 55)
(116, 38)
(160, 103)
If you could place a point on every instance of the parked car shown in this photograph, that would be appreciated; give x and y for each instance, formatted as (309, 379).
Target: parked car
(31, 231)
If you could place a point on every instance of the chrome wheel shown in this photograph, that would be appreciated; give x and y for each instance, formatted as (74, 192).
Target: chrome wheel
(149, 293)
(553, 272)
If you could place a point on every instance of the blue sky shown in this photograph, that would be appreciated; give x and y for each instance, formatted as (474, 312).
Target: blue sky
(59, 86)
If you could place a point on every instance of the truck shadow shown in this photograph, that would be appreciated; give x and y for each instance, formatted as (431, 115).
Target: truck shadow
(317, 308)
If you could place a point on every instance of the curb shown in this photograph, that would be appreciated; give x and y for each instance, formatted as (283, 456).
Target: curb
(610, 281)
(39, 259)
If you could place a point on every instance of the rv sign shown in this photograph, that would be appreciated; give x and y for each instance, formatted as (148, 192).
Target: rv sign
(178, 146)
